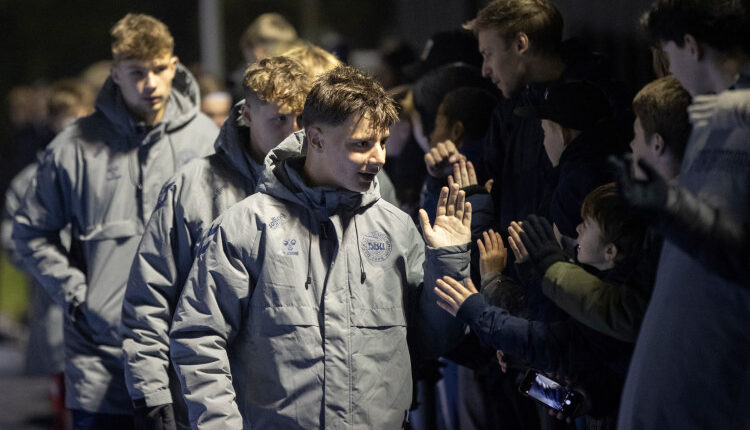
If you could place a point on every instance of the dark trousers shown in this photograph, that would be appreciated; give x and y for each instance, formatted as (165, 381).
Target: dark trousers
(84, 420)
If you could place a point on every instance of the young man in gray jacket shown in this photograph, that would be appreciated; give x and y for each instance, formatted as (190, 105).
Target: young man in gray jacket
(102, 175)
(275, 90)
(296, 311)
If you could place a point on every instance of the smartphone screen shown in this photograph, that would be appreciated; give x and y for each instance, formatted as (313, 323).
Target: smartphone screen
(548, 392)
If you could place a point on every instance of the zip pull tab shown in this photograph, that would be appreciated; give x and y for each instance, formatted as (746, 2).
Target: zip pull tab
(324, 230)
(307, 283)
(362, 277)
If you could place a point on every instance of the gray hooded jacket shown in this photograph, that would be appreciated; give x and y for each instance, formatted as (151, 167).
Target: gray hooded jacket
(301, 297)
(197, 194)
(103, 175)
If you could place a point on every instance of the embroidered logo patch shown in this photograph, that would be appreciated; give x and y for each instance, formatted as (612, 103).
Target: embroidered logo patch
(277, 221)
(113, 172)
(375, 246)
(290, 245)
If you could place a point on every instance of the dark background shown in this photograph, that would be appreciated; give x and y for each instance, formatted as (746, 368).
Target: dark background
(44, 40)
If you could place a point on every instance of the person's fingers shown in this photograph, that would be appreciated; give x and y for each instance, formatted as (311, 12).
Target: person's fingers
(464, 173)
(488, 185)
(436, 155)
(487, 240)
(429, 160)
(442, 202)
(424, 222)
(446, 307)
(460, 201)
(482, 251)
(450, 208)
(493, 240)
(514, 247)
(467, 215)
(446, 292)
(450, 148)
(472, 173)
(443, 151)
(469, 284)
(451, 287)
(451, 181)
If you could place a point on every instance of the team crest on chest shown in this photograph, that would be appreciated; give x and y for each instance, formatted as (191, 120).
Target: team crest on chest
(375, 246)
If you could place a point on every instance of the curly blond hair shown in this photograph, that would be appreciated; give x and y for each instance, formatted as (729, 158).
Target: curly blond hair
(277, 80)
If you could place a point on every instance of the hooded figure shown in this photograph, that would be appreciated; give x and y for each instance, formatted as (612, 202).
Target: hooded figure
(102, 175)
(188, 203)
(298, 285)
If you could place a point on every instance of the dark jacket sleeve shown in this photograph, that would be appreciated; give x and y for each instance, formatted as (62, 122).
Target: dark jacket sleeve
(719, 241)
(496, 328)
(616, 311)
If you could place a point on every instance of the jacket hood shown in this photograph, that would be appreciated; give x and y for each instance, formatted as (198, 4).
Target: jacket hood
(182, 107)
(232, 142)
(282, 178)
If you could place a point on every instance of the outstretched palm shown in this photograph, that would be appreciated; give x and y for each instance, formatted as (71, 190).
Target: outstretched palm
(453, 221)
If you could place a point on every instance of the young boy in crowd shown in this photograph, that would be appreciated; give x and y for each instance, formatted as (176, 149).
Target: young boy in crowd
(696, 376)
(102, 176)
(610, 239)
(460, 124)
(275, 90)
(661, 131)
(303, 294)
(579, 135)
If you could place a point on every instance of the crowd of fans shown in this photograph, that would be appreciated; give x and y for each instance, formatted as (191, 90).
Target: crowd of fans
(497, 234)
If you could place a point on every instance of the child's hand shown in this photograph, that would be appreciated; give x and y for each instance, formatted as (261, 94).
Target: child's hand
(452, 293)
(493, 256)
(516, 245)
(463, 174)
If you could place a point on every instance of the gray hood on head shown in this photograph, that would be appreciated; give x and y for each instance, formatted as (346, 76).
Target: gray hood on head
(232, 142)
(182, 107)
(282, 179)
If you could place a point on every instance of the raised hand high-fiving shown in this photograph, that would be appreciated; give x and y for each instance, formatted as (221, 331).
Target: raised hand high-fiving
(452, 224)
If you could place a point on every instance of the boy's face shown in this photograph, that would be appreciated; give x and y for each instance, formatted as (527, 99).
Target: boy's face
(554, 141)
(352, 153)
(145, 85)
(591, 247)
(217, 108)
(269, 123)
(642, 149)
(442, 130)
(501, 62)
(685, 66)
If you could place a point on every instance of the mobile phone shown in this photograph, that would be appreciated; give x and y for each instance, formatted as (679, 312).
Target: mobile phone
(550, 392)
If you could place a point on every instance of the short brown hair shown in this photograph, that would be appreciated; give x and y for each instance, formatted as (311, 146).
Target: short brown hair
(345, 92)
(277, 80)
(538, 19)
(314, 59)
(661, 106)
(140, 37)
(70, 93)
(618, 222)
(268, 29)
